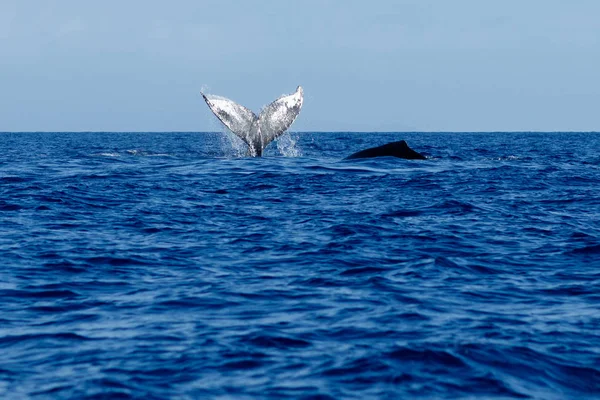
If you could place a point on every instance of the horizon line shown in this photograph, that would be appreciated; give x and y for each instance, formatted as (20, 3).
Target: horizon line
(309, 131)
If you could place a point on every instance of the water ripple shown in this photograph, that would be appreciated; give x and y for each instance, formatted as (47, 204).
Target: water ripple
(155, 266)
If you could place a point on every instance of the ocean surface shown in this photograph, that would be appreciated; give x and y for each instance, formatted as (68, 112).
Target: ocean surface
(168, 265)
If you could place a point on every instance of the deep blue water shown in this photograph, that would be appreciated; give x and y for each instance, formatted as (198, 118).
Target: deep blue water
(163, 265)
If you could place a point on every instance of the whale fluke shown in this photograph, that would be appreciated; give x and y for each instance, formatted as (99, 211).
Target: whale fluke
(395, 149)
(257, 132)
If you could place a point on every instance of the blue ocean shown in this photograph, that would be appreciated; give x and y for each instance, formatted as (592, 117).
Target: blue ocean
(171, 266)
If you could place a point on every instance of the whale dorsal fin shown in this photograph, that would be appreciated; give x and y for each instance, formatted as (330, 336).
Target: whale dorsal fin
(278, 116)
(238, 119)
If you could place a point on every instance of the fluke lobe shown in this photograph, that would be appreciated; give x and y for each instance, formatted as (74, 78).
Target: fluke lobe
(395, 149)
(259, 131)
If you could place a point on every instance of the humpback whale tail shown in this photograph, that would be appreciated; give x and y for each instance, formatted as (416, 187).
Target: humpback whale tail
(257, 132)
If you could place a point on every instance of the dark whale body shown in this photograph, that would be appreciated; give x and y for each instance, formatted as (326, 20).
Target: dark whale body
(395, 149)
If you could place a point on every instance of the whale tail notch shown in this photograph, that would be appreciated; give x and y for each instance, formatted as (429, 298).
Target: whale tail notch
(257, 132)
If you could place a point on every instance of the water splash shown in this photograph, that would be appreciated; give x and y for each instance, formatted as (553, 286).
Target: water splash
(288, 145)
(231, 145)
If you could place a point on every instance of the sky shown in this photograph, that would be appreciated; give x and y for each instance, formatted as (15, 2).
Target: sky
(378, 65)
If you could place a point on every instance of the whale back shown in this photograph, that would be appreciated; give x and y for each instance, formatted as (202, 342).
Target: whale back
(395, 149)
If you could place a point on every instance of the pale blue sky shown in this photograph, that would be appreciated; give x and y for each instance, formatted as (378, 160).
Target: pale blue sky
(391, 65)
